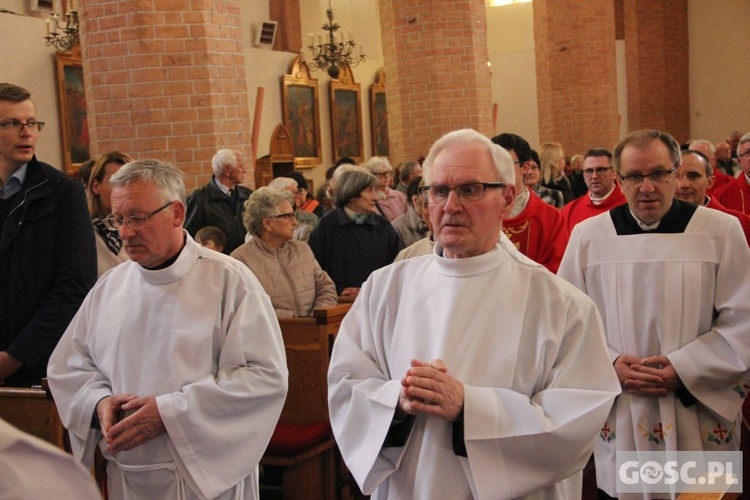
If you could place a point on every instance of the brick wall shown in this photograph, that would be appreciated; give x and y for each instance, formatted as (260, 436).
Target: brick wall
(656, 46)
(166, 79)
(437, 79)
(576, 73)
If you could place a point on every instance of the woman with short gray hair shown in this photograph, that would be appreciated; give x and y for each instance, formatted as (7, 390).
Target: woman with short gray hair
(273, 252)
(354, 240)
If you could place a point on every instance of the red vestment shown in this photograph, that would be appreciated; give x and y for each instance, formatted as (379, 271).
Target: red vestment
(744, 219)
(582, 208)
(720, 179)
(539, 233)
(735, 195)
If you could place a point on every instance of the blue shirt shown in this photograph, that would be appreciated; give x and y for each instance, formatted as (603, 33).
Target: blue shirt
(14, 183)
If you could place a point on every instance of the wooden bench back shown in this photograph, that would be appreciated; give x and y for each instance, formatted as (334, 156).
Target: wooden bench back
(308, 343)
(33, 411)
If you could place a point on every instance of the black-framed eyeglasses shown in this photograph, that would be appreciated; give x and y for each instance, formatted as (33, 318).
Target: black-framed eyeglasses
(33, 125)
(134, 221)
(655, 177)
(588, 172)
(288, 216)
(472, 191)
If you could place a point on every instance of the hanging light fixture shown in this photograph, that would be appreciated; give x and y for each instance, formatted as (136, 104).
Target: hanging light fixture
(333, 51)
(63, 35)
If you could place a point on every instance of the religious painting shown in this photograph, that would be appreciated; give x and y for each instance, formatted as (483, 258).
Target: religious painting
(301, 113)
(346, 117)
(379, 117)
(73, 112)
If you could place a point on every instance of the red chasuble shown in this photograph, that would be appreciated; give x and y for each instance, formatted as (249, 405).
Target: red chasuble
(582, 208)
(539, 233)
(744, 219)
(735, 195)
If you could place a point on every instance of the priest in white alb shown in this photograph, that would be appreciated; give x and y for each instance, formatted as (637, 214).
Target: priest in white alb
(671, 282)
(472, 372)
(174, 365)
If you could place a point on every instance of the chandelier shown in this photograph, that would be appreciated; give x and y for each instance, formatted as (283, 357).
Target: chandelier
(336, 52)
(63, 35)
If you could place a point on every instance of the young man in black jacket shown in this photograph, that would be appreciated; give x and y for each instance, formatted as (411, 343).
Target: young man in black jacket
(47, 249)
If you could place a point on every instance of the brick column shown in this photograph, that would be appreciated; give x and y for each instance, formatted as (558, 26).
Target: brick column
(656, 48)
(289, 29)
(576, 73)
(166, 79)
(437, 79)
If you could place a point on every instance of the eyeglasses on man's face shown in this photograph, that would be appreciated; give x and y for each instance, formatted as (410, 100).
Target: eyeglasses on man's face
(17, 125)
(288, 216)
(656, 177)
(600, 171)
(472, 191)
(134, 221)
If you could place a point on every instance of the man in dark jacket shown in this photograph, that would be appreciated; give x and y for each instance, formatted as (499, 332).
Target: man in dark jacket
(47, 249)
(220, 202)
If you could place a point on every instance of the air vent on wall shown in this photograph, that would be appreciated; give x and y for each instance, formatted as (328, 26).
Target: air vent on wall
(265, 33)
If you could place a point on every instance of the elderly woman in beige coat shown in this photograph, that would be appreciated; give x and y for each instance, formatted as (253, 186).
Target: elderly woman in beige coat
(285, 267)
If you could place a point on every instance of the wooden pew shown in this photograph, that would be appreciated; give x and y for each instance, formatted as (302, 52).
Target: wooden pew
(302, 446)
(33, 411)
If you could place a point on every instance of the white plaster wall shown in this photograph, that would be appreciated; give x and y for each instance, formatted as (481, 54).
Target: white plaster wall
(510, 39)
(719, 71)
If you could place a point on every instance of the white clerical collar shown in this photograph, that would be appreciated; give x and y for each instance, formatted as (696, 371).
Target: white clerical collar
(747, 177)
(643, 225)
(519, 205)
(599, 201)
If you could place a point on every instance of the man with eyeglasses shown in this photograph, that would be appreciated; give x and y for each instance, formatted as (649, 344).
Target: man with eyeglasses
(604, 193)
(174, 366)
(736, 194)
(536, 228)
(670, 280)
(471, 372)
(47, 248)
(220, 202)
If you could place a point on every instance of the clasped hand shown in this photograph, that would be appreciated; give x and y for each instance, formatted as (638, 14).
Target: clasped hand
(142, 425)
(428, 388)
(651, 376)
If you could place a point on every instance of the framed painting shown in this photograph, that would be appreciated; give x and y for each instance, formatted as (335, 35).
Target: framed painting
(379, 117)
(73, 114)
(346, 117)
(301, 114)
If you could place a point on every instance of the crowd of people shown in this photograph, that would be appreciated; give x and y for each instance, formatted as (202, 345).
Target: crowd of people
(513, 311)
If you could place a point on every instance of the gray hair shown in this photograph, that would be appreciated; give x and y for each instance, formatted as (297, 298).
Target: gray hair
(351, 183)
(405, 169)
(264, 202)
(641, 140)
(708, 145)
(745, 138)
(378, 165)
(224, 157)
(167, 179)
(501, 159)
(283, 183)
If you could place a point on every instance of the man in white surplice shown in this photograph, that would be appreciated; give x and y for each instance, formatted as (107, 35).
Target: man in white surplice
(472, 371)
(671, 282)
(174, 365)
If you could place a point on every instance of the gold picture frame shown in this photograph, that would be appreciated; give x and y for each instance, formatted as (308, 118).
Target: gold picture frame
(379, 117)
(346, 116)
(73, 112)
(301, 113)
